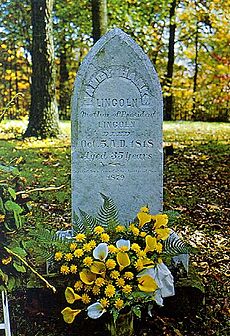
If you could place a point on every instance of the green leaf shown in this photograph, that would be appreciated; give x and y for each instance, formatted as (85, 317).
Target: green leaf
(12, 206)
(19, 268)
(2, 209)
(89, 222)
(115, 314)
(11, 284)
(108, 214)
(4, 276)
(77, 224)
(12, 193)
(20, 251)
(173, 245)
(17, 210)
(137, 311)
(9, 169)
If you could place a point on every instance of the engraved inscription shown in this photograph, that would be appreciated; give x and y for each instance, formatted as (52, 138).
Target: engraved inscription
(118, 125)
(118, 72)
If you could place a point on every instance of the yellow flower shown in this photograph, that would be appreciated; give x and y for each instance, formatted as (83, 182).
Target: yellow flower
(88, 261)
(87, 247)
(112, 249)
(143, 234)
(105, 237)
(120, 282)
(98, 267)
(162, 233)
(70, 314)
(147, 262)
(114, 274)
(2, 217)
(73, 269)
(87, 288)
(159, 247)
(6, 261)
(147, 283)
(110, 264)
(119, 303)
(80, 237)
(98, 229)
(104, 302)
(99, 282)
(87, 276)
(128, 275)
(64, 269)
(141, 254)
(143, 217)
(70, 296)
(139, 265)
(135, 247)
(73, 246)
(78, 285)
(58, 256)
(160, 220)
(92, 243)
(151, 243)
(78, 253)
(127, 289)
(123, 260)
(144, 209)
(85, 298)
(68, 256)
(120, 228)
(135, 231)
(96, 290)
(110, 291)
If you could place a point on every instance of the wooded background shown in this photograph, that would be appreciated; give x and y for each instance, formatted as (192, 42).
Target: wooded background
(187, 41)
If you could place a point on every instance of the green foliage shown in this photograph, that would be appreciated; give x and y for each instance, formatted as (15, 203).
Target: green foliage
(106, 217)
(42, 243)
(108, 214)
(174, 245)
(12, 218)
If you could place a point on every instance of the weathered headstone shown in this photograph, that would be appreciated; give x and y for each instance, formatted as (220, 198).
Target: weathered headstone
(117, 129)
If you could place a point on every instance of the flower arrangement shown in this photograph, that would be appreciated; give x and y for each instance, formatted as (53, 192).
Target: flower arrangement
(109, 266)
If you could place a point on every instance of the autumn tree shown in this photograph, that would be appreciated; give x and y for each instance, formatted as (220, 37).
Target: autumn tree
(43, 117)
(168, 106)
(72, 38)
(14, 57)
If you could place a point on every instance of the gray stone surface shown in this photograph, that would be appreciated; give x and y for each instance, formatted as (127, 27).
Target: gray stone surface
(117, 129)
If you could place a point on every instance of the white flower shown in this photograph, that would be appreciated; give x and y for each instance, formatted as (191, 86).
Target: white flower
(101, 251)
(164, 279)
(95, 310)
(123, 244)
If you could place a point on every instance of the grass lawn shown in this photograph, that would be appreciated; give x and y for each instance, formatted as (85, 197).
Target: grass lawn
(196, 184)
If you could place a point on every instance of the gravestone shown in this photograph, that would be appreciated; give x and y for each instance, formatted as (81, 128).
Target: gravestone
(117, 129)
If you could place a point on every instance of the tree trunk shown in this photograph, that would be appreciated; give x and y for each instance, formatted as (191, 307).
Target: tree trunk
(43, 118)
(171, 55)
(99, 17)
(64, 91)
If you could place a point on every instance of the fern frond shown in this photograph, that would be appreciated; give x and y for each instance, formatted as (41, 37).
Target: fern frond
(173, 245)
(108, 214)
(78, 226)
(89, 222)
(45, 242)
